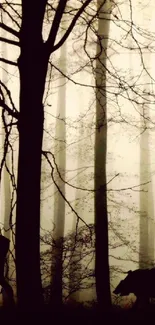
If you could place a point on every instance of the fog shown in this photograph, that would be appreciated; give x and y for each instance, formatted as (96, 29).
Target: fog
(128, 143)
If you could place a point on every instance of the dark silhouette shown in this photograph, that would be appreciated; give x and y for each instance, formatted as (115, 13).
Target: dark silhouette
(141, 282)
(6, 288)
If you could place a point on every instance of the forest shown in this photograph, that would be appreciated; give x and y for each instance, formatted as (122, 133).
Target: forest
(77, 102)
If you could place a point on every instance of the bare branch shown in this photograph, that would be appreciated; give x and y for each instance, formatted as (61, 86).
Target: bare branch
(70, 28)
(8, 62)
(9, 29)
(9, 41)
(45, 154)
(10, 99)
(10, 15)
(8, 109)
(55, 26)
(13, 8)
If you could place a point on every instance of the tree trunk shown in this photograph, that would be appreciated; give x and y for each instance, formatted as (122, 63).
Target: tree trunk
(101, 215)
(144, 160)
(76, 251)
(6, 191)
(7, 293)
(59, 203)
(146, 249)
(32, 67)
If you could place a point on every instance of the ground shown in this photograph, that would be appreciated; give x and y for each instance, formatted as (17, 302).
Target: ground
(77, 316)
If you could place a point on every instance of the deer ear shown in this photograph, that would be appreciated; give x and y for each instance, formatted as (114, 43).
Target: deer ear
(129, 272)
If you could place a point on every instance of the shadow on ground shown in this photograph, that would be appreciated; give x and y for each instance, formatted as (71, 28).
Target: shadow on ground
(79, 315)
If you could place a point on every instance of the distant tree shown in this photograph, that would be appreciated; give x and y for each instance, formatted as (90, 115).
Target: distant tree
(75, 257)
(83, 253)
(101, 214)
(59, 202)
(146, 232)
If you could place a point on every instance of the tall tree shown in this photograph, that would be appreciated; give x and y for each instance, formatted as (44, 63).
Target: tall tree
(101, 214)
(146, 231)
(146, 249)
(5, 184)
(59, 202)
(144, 165)
(5, 175)
(75, 260)
(146, 225)
(32, 64)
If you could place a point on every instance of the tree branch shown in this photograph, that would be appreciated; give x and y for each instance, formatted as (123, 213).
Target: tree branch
(9, 29)
(70, 28)
(9, 41)
(10, 15)
(9, 110)
(8, 62)
(55, 26)
(45, 154)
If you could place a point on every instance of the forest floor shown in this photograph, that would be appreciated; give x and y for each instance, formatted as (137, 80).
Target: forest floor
(76, 316)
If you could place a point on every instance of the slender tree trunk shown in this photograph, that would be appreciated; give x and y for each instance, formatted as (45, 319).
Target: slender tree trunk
(6, 178)
(146, 225)
(146, 249)
(101, 215)
(7, 291)
(59, 204)
(75, 262)
(7, 201)
(144, 160)
(32, 67)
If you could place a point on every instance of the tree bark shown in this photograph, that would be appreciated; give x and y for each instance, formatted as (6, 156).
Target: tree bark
(101, 214)
(32, 68)
(6, 188)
